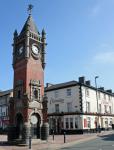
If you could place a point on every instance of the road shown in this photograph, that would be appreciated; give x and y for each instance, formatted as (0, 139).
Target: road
(105, 142)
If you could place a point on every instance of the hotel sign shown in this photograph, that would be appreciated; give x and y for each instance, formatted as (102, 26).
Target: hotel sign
(60, 100)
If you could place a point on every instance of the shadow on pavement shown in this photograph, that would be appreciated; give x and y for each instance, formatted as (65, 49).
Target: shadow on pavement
(109, 137)
(5, 143)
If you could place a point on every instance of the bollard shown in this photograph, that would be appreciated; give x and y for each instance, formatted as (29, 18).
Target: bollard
(53, 135)
(29, 142)
(64, 137)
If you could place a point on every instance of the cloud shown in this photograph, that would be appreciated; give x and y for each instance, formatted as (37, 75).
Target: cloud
(104, 57)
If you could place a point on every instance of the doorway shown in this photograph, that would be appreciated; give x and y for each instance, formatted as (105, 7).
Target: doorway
(35, 126)
(19, 126)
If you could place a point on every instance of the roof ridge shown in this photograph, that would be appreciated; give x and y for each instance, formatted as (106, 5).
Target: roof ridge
(62, 85)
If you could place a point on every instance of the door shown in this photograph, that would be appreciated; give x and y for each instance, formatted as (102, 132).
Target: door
(19, 126)
(35, 126)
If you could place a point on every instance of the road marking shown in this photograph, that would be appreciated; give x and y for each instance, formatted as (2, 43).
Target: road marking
(112, 145)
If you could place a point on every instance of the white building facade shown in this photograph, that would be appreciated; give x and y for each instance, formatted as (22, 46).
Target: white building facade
(77, 107)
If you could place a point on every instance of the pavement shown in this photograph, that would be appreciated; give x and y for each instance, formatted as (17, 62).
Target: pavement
(51, 144)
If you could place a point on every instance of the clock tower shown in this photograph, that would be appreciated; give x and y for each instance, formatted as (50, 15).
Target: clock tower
(28, 107)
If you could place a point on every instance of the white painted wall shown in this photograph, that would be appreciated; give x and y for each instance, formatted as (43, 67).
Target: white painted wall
(63, 99)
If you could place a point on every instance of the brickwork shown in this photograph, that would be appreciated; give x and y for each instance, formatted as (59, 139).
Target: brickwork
(28, 98)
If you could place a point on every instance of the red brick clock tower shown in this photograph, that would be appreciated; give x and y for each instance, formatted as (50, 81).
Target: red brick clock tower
(28, 109)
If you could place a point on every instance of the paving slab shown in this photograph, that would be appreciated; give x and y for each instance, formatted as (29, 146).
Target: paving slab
(50, 144)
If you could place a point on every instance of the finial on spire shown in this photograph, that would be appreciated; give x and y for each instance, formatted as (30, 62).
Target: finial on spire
(30, 7)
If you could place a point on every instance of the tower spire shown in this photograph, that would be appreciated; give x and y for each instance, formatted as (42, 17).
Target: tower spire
(30, 7)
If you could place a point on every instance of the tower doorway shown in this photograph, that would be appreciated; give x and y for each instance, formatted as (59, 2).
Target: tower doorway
(35, 125)
(19, 126)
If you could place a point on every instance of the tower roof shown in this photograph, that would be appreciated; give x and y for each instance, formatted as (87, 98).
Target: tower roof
(30, 25)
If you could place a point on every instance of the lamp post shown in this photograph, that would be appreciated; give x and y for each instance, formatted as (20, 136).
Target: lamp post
(96, 77)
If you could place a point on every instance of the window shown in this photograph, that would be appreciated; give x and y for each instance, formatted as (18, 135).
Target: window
(105, 108)
(76, 123)
(71, 123)
(89, 122)
(36, 94)
(67, 123)
(88, 106)
(110, 122)
(62, 124)
(56, 94)
(69, 107)
(45, 94)
(99, 108)
(109, 97)
(104, 96)
(110, 109)
(3, 113)
(57, 108)
(68, 92)
(19, 94)
(87, 92)
(6, 111)
(0, 111)
(106, 122)
(39, 95)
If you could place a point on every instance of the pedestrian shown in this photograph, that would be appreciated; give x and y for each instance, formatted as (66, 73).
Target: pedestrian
(99, 128)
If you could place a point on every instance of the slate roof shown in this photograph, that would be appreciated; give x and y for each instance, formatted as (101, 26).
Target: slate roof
(32, 26)
(74, 83)
(2, 93)
(61, 85)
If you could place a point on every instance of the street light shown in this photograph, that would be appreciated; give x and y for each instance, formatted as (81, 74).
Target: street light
(96, 77)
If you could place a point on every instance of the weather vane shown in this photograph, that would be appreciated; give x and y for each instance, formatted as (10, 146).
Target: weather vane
(30, 7)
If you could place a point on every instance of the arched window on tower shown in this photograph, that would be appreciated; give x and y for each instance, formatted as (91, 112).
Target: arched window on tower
(35, 89)
(36, 94)
(19, 94)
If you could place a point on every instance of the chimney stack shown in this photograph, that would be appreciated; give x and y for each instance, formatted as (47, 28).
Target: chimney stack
(88, 83)
(101, 88)
(82, 80)
(48, 85)
(109, 91)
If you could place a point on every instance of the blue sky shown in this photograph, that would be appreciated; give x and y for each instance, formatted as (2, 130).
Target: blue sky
(80, 37)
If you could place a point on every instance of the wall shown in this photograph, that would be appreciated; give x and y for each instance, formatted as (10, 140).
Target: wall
(62, 99)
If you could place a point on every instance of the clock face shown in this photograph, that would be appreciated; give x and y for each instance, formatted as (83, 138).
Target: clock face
(35, 49)
(20, 51)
